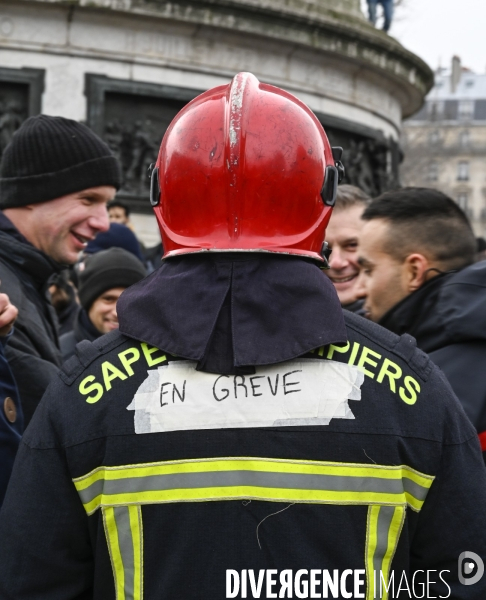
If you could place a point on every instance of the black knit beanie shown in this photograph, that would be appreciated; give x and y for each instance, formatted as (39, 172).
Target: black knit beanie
(106, 270)
(49, 157)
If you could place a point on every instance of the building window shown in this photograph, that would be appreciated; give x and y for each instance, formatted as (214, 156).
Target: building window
(462, 201)
(463, 171)
(436, 110)
(464, 139)
(466, 110)
(433, 172)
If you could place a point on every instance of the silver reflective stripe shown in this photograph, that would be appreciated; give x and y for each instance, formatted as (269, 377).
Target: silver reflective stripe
(385, 517)
(259, 478)
(417, 491)
(90, 493)
(123, 530)
(383, 531)
(125, 541)
(251, 478)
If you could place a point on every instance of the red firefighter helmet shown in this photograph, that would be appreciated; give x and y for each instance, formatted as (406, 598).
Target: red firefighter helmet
(245, 167)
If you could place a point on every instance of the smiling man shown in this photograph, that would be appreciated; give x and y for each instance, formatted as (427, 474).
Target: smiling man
(107, 274)
(56, 177)
(417, 254)
(410, 240)
(342, 235)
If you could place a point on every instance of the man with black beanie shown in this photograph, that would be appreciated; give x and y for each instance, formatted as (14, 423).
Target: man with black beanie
(107, 274)
(56, 177)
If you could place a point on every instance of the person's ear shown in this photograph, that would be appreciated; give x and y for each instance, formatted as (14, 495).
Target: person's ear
(416, 269)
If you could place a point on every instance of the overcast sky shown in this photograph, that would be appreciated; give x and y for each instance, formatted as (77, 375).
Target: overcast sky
(438, 29)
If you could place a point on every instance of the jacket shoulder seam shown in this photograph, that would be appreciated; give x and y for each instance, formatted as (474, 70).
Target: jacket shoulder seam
(86, 353)
(422, 370)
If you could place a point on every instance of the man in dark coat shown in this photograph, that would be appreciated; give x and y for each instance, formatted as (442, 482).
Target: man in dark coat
(342, 235)
(64, 300)
(11, 417)
(105, 276)
(416, 251)
(56, 177)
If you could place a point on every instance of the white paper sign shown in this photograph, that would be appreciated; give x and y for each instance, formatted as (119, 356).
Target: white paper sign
(298, 392)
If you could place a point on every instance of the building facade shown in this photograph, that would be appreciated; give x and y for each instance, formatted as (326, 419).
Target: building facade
(126, 67)
(445, 142)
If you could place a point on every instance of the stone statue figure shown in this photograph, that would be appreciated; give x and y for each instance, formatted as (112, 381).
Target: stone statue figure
(11, 118)
(143, 152)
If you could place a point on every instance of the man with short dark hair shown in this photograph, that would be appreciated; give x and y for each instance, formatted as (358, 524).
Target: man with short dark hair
(416, 253)
(342, 235)
(118, 212)
(56, 177)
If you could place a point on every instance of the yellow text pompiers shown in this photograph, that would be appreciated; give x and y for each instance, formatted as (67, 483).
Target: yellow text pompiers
(376, 367)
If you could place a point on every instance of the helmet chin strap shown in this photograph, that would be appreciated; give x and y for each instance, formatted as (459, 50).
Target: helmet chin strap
(325, 253)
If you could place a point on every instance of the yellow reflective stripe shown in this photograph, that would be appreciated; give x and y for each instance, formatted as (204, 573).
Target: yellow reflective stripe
(111, 534)
(413, 502)
(370, 548)
(293, 481)
(123, 531)
(135, 516)
(393, 537)
(383, 528)
(253, 464)
(245, 493)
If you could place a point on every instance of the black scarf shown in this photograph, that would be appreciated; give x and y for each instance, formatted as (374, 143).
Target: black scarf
(230, 312)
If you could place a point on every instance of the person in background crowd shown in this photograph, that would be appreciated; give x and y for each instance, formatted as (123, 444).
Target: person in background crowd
(119, 212)
(342, 235)
(416, 253)
(64, 300)
(387, 12)
(237, 389)
(101, 283)
(11, 417)
(153, 256)
(117, 236)
(481, 249)
(56, 176)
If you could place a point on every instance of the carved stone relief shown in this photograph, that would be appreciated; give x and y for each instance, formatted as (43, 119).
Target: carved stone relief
(370, 164)
(134, 127)
(132, 118)
(13, 110)
(20, 97)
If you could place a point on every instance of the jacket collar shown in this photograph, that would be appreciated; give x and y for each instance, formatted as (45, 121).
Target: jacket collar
(230, 312)
(83, 327)
(418, 315)
(23, 257)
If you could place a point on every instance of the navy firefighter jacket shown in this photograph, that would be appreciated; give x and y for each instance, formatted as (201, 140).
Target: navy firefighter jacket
(240, 438)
